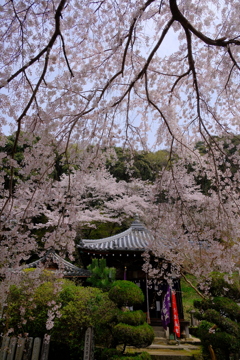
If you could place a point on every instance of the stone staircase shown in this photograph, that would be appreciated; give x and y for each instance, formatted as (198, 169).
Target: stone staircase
(159, 332)
(165, 349)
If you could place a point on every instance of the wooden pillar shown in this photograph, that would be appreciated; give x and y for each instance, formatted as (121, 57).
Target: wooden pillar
(36, 349)
(12, 348)
(147, 299)
(4, 348)
(20, 348)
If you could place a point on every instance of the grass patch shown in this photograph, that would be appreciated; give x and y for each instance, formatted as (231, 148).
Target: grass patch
(189, 295)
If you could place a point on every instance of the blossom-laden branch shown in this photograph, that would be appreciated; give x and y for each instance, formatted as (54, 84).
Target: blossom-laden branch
(57, 32)
(117, 64)
(168, 69)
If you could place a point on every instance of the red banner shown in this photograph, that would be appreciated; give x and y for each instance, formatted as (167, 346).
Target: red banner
(176, 324)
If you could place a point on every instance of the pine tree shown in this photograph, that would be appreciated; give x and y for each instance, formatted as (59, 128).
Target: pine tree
(102, 276)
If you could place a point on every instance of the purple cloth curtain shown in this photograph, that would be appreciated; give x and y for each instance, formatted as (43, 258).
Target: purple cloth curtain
(165, 312)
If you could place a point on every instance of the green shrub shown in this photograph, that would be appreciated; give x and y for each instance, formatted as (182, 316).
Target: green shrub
(107, 354)
(88, 307)
(132, 317)
(132, 329)
(222, 342)
(138, 336)
(74, 309)
(220, 287)
(226, 306)
(219, 326)
(126, 293)
(27, 310)
(230, 308)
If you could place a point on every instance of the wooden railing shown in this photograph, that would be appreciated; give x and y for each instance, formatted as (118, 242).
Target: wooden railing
(13, 348)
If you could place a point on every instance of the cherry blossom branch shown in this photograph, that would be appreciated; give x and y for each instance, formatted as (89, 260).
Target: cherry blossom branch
(32, 89)
(56, 33)
(148, 61)
(19, 127)
(140, 74)
(129, 37)
(167, 123)
(201, 122)
(221, 42)
(183, 205)
(46, 50)
(157, 108)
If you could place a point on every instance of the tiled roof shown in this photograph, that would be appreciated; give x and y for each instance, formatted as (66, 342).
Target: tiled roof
(136, 238)
(66, 267)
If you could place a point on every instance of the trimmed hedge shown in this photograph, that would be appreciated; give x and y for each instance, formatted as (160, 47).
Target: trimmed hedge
(224, 305)
(133, 318)
(219, 327)
(138, 336)
(126, 293)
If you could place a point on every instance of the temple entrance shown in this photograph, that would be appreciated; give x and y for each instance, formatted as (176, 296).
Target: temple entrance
(124, 252)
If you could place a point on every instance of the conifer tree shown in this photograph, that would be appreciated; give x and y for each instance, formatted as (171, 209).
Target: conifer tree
(101, 276)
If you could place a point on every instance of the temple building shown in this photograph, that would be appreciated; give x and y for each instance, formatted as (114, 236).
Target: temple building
(124, 251)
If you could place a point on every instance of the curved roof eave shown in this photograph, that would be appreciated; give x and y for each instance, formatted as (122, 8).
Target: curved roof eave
(65, 266)
(136, 238)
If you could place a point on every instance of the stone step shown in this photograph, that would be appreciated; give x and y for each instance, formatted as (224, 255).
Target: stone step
(170, 354)
(164, 349)
(159, 340)
(188, 347)
(165, 341)
(160, 334)
(159, 331)
(166, 354)
(175, 357)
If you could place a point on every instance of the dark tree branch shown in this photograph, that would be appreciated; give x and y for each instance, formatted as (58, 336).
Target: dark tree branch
(232, 57)
(192, 286)
(177, 81)
(229, 76)
(65, 55)
(178, 16)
